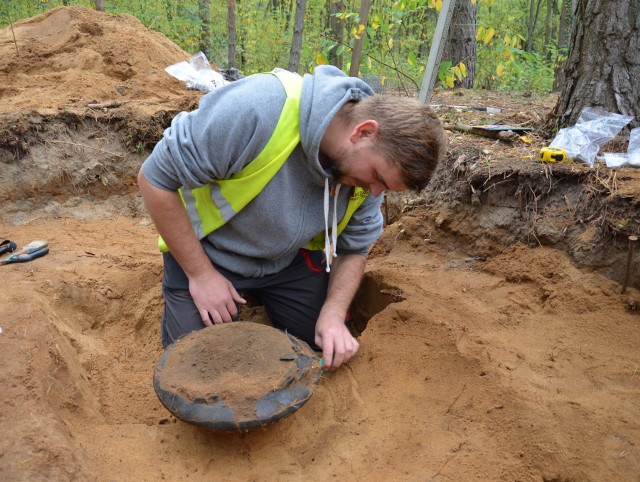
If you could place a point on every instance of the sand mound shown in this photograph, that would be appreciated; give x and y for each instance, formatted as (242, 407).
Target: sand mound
(83, 97)
(73, 55)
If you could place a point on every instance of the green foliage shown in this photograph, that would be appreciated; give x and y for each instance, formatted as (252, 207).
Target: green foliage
(449, 73)
(14, 10)
(397, 37)
(261, 48)
(530, 73)
(402, 33)
(179, 21)
(502, 62)
(394, 38)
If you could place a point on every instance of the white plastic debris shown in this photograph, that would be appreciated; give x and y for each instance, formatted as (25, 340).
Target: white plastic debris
(632, 156)
(593, 130)
(197, 73)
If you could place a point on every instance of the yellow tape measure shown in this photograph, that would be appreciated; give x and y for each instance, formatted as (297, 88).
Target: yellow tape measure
(553, 154)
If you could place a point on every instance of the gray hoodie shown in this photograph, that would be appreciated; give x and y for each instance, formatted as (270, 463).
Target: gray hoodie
(228, 130)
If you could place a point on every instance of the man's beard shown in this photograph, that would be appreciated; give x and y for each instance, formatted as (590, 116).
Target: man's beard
(333, 165)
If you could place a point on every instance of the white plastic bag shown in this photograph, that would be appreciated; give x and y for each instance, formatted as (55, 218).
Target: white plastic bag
(631, 158)
(197, 73)
(593, 130)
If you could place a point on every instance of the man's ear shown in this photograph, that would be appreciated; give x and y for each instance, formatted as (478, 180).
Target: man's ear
(366, 129)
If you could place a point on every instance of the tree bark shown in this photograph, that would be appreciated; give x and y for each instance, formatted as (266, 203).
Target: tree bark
(534, 10)
(603, 66)
(461, 42)
(565, 24)
(204, 41)
(337, 31)
(356, 54)
(231, 25)
(564, 29)
(296, 42)
(548, 33)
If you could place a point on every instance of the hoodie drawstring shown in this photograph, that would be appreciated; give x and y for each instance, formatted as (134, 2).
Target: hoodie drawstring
(334, 225)
(330, 242)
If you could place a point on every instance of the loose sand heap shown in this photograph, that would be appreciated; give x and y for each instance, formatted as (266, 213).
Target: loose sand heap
(71, 57)
(495, 345)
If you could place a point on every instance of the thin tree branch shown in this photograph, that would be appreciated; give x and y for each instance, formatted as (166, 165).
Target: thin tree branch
(374, 59)
(14, 34)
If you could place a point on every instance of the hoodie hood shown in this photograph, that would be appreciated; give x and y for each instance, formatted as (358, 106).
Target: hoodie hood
(323, 94)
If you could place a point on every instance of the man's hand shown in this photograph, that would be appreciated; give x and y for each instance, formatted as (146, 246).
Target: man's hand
(332, 335)
(337, 343)
(213, 294)
(215, 297)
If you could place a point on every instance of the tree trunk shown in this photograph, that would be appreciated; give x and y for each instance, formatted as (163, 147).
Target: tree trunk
(296, 42)
(204, 40)
(356, 54)
(461, 41)
(231, 51)
(534, 10)
(100, 5)
(603, 67)
(565, 24)
(337, 32)
(564, 29)
(547, 26)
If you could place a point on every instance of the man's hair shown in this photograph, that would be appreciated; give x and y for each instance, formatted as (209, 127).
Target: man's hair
(410, 135)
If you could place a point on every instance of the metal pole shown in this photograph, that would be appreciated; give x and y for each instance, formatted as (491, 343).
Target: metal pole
(435, 54)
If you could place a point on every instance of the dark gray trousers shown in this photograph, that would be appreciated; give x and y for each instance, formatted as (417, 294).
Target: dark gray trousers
(292, 297)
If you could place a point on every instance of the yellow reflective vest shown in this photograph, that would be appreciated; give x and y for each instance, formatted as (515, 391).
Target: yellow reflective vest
(212, 205)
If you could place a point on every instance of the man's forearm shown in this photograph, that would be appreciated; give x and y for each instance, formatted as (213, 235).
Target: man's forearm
(171, 221)
(345, 277)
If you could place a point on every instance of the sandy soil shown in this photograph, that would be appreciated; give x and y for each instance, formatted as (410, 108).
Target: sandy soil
(496, 343)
